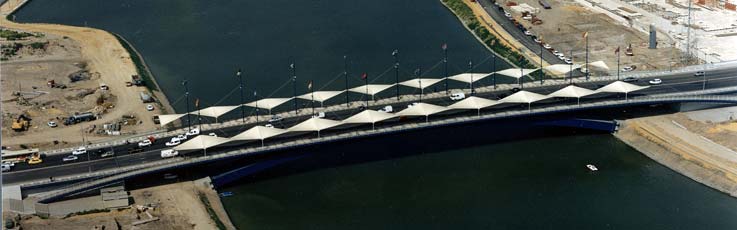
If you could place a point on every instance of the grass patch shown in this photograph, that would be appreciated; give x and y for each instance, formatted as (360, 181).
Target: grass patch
(15, 35)
(211, 212)
(460, 9)
(140, 67)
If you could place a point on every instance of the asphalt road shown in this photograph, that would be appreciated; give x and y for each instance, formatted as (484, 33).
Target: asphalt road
(53, 166)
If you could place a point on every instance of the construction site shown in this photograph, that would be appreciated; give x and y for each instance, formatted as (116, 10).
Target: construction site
(52, 96)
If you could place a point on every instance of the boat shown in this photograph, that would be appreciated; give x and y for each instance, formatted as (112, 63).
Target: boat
(226, 194)
(592, 167)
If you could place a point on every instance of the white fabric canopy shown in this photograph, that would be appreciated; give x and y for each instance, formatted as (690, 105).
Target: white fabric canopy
(422, 109)
(620, 87)
(516, 73)
(268, 103)
(474, 103)
(523, 97)
(321, 96)
(258, 133)
(314, 124)
(572, 91)
(425, 82)
(214, 111)
(560, 69)
(467, 77)
(201, 142)
(169, 118)
(372, 88)
(368, 117)
(598, 65)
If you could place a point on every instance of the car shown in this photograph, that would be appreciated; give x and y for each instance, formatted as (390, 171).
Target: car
(70, 158)
(656, 81)
(387, 109)
(413, 104)
(107, 154)
(528, 33)
(547, 46)
(8, 163)
(275, 118)
(562, 57)
(193, 132)
(319, 115)
(507, 14)
(52, 124)
(699, 74)
(527, 17)
(537, 40)
(556, 53)
(79, 151)
(144, 143)
(515, 89)
(6, 167)
(35, 160)
(181, 137)
(630, 79)
(150, 107)
(457, 96)
(212, 134)
(627, 69)
(568, 61)
(269, 126)
(173, 142)
(166, 153)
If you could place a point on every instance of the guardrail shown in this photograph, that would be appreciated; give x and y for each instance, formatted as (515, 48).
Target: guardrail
(159, 134)
(130, 171)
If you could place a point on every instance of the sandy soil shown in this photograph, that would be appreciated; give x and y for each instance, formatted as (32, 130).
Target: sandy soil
(104, 56)
(705, 152)
(564, 25)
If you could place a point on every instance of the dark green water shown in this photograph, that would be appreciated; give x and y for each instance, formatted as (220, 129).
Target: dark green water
(526, 184)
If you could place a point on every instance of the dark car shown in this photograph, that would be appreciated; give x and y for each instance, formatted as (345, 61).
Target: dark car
(135, 150)
(699, 74)
(630, 79)
(515, 89)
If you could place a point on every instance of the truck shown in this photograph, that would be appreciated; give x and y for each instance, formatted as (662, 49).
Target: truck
(77, 118)
(137, 80)
(166, 153)
(20, 124)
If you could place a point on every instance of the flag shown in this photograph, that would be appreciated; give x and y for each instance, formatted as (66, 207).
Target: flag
(417, 71)
(585, 34)
(617, 50)
(254, 93)
(364, 76)
(197, 103)
(444, 46)
(291, 66)
(238, 73)
(309, 85)
(184, 82)
(395, 52)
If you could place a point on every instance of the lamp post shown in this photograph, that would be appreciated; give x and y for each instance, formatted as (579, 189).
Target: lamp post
(240, 86)
(395, 54)
(186, 100)
(345, 75)
(294, 85)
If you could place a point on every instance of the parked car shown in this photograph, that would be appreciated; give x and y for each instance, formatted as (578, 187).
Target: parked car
(173, 142)
(699, 74)
(457, 96)
(79, 151)
(568, 61)
(537, 40)
(70, 158)
(52, 124)
(319, 115)
(181, 137)
(630, 79)
(269, 126)
(212, 134)
(144, 143)
(150, 107)
(387, 109)
(166, 153)
(656, 81)
(627, 69)
(192, 132)
(507, 14)
(515, 89)
(275, 118)
(547, 46)
(528, 33)
(6, 167)
(413, 104)
(107, 154)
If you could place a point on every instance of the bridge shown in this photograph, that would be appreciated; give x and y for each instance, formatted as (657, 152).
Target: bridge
(490, 103)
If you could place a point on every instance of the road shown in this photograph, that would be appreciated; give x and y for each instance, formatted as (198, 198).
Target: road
(53, 165)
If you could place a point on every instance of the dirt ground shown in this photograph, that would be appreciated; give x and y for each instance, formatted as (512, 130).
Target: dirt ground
(176, 205)
(564, 25)
(70, 49)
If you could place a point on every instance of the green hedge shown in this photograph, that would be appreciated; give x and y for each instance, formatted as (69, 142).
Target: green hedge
(460, 9)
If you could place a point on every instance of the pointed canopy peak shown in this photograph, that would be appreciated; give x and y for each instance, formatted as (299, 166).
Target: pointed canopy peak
(368, 116)
(572, 91)
(598, 65)
(469, 77)
(621, 87)
(523, 97)
(422, 109)
(214, 111)
(201, 142)
(474, 103)
(372, 88)
(420, 83)
(268, 103)
(314, 124)
(169, 118)
(258, 133)
(560, 69)
(516, 73)
(320, 96)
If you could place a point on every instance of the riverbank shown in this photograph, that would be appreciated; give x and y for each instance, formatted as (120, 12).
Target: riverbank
(679, 143)
(112, 62)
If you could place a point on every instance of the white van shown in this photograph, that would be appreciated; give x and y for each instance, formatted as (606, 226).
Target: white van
(6, 167)
(457, 96)
(166, 153)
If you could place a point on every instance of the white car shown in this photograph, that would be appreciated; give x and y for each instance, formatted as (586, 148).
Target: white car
(413, 104)
(656, 81)
(537, 40)
(387, 109)
(319, 115)
(6, 167)
(173, 142)
(51, 124)
(546, 46)
(166, 153)
(275, 118)
(627, 69)
(569, 61)
(212, 134)
(144, 143)
(269, 126)
(79, 151)
(193, 132)
(562, 57)
(150, 107)
(507, 14)
(457, 96)
(556, 53)
(70, 158)
(181, 137)
(528, 33)
(527, 17)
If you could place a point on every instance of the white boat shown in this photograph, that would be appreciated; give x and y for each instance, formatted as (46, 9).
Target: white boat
(592, 167)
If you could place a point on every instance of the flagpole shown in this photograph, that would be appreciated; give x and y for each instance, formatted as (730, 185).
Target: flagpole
(618, 63)
(186, 97)
(345, 74)
(445, 61)
(294, 86)
(570, 72)
(396, 71)
(240, 85)
(419, 80)
(256, 96)
(542, 73)
(199, 117)
(588, 71)
(470, 70)
(312, 95)
(365, 78)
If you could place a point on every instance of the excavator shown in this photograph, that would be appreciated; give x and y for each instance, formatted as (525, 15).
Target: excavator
(20, 124)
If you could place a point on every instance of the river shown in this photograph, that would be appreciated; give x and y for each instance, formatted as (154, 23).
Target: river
(538, 183)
